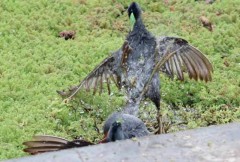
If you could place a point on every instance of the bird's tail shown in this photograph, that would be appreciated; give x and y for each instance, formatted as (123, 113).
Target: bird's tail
(45, 143)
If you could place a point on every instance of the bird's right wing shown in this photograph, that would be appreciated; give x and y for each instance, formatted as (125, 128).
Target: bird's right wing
(106, 71)
(46, 143)
(185, 58)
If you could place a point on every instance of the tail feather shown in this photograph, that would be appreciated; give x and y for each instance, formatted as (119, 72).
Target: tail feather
(46, 143)
(43, 143)
(37, 150)
(50, 138)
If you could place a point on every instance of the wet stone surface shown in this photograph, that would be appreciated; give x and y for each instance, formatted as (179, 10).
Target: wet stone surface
(214, 143)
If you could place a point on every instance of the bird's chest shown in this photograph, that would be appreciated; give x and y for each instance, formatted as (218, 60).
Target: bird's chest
(139, 55)
(138, 65)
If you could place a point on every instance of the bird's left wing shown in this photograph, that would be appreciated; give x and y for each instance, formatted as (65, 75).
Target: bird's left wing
(106, 71)
(46, 143)
(185, 58)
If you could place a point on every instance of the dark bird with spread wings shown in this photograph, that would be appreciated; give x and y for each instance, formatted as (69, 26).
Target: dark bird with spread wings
(131, 66)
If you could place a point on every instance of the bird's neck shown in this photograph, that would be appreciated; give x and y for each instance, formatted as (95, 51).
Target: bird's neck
(139, 33)
(139, 26)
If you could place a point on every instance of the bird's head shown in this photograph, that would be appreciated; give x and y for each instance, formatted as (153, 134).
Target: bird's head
(114, 133)
(134, 12)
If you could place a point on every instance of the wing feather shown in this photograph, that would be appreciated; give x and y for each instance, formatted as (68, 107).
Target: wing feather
(177, 66)
(46, 143)
(186, 58)
(94, 79)
(103, 73)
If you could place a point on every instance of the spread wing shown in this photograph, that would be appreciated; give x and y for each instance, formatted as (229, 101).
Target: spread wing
(45, 143)
(106, 71)
(186, 58)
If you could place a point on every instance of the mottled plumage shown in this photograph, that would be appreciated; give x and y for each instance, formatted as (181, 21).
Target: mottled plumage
(140, 52)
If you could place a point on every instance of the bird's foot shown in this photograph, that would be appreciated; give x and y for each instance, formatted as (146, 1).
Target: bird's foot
(162, 126)
(160, 129)
(163, 129)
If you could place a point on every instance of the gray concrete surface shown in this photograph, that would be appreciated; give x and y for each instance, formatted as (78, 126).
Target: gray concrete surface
(213, 144)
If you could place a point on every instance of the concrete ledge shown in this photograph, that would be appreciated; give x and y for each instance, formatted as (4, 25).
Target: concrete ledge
(214, 143)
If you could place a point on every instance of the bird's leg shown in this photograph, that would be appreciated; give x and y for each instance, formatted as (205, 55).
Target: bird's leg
(160, 129)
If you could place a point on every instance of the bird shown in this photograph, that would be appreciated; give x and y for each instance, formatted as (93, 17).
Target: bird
(118, 126)
(121, 125)
(131, 66)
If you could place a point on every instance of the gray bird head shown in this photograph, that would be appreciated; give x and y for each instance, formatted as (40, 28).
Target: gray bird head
(115, 132)
(120, 126)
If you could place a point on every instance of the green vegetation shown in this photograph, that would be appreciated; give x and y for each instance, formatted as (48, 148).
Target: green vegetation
(35, 63)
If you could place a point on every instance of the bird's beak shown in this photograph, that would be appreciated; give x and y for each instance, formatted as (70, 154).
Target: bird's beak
(104, 140)
(132, 20)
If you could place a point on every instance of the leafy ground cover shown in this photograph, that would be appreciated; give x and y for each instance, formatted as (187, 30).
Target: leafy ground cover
(35, 63)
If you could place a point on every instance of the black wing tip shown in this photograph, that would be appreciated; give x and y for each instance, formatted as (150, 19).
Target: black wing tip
(62, 93)
(28, 150)
(25, 143)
